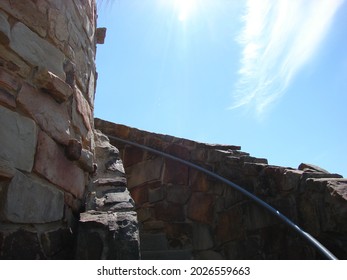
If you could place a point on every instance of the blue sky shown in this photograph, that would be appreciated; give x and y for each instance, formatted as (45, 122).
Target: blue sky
(269, 76)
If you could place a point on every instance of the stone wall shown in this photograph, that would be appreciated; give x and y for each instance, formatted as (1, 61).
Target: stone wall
(47, 85)
(184, 214)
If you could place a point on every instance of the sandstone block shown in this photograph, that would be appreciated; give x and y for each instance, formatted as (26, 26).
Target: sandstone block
(52, 117)
(24, 12)
(53, 85)
(27, 200)
(202, 237)
(52, 163)
(146, 171)
(4, 29)
(7, 170)
(14, 62)
(18, 137)
(201, 208)
(7, 99)
(36, 50)
(171, 212)
(83, 109)
(176, 173)
(106, 235)
(178, 194)
(21, 245)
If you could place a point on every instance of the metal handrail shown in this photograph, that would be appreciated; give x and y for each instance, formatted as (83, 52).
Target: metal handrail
(306, 236)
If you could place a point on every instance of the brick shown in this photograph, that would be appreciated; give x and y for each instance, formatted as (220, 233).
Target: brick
(35, 50)
(53, 85)
(201, 208)
(51, 163)
(18, 137)
(28, 200)
(52, 118)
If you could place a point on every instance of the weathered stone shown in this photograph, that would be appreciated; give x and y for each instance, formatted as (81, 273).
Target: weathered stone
(230, 225)
(4, 29)
(100, 35)
(156, 194)
(53, 118)
(199, 182)
(24, 12)
(178, 194)
(144, 214)
(146, 171)
(153, 225)
(171, 212)
(106, 235)
(83, 108)
(18, 137)
(7, 99)
(91, 88)
(14, 62)
(58, 244)
(73, 150)
(132, 155)
(139, 194)
(201, 208)
(74, 203)
(117, 181)
(202, 237)
(291, 180)
(53, 85)
(7, 170)
(153, 242)
(22, 245)
(176, 173)
(27, 200)
(61, 171)
(8, 81)
(36, 50)
(311, 168)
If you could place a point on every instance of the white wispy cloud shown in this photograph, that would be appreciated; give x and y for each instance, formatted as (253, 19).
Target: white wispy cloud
(278, 37)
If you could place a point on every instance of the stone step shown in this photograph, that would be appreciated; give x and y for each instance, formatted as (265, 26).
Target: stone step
(167, 255)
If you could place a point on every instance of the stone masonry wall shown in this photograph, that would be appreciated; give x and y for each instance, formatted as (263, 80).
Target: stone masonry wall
(47, 85)
(184, 214)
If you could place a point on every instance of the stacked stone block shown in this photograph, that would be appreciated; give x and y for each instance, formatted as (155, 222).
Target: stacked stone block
(184, 214)
(47, 85)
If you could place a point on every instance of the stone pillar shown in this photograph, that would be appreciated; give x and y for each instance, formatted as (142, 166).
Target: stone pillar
(47, 86)
(108, 228)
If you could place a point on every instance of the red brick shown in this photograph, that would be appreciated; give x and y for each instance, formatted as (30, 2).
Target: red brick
(201, 208)
(51, 163)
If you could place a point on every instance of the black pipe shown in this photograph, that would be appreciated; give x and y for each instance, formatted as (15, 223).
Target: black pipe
(306, 236)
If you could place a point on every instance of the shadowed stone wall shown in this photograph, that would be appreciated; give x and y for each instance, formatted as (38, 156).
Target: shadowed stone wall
(48, 154)
(185, 214)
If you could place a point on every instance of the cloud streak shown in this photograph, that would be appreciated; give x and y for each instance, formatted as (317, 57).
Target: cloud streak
(277, 39)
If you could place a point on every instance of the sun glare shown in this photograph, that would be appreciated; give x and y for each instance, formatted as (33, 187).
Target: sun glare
(184, 9)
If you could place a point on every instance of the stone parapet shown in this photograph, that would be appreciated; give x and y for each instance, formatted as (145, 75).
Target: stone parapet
(203, 218)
